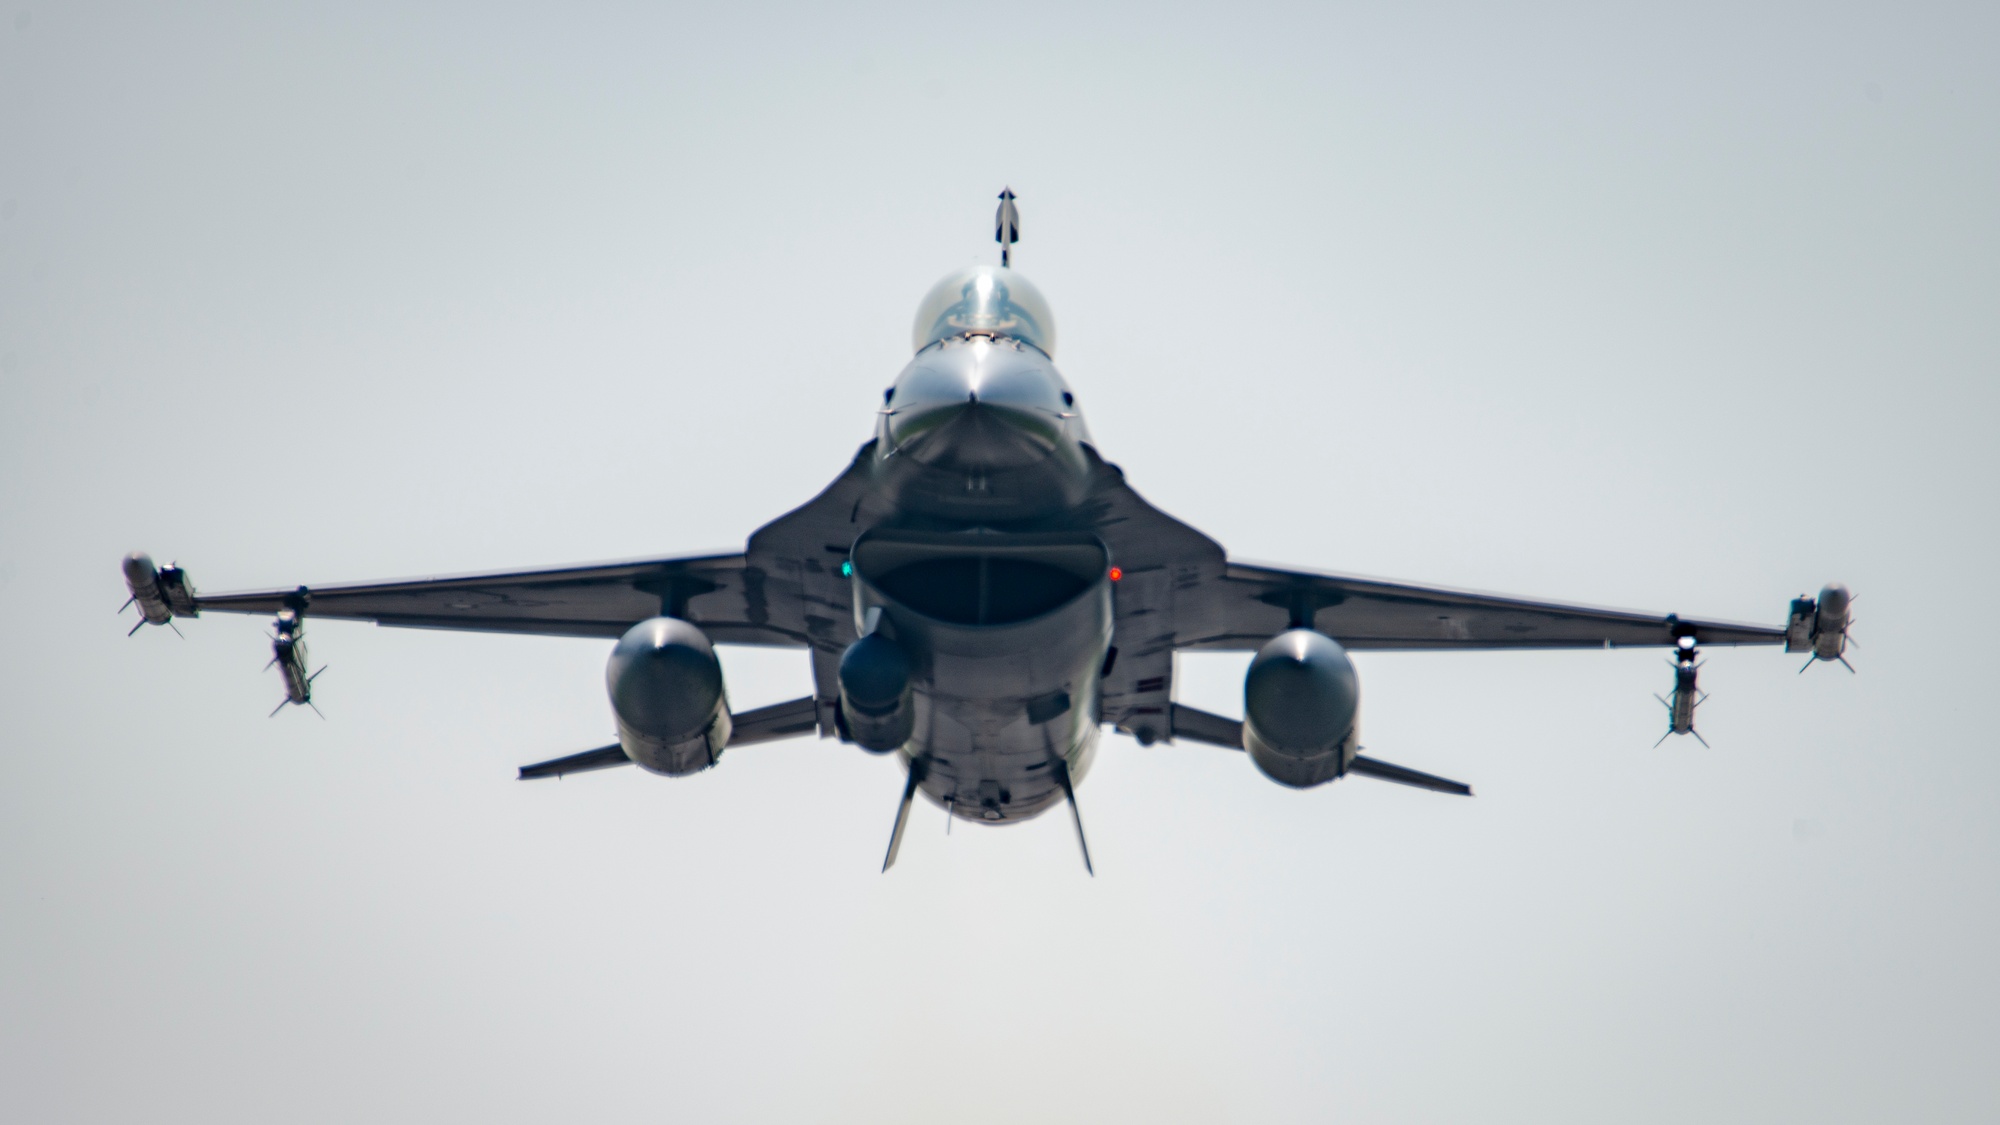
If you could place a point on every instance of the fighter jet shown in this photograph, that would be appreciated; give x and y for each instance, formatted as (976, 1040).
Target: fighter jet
(980, 593)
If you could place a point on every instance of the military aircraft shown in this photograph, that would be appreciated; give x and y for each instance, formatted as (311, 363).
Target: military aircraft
(980, 592)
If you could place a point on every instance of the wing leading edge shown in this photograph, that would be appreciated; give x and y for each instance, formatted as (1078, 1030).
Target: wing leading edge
(1250, 603)
(732, 601)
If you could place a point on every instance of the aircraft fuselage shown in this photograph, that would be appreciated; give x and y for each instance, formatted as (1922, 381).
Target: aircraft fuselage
(978, 592)
(982, 575)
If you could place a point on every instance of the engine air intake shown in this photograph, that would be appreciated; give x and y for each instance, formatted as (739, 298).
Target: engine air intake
(980, 577)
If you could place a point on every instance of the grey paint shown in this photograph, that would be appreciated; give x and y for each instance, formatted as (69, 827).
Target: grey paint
(1301, 709)
(981, 477)
(665, 685)
(1676, 308)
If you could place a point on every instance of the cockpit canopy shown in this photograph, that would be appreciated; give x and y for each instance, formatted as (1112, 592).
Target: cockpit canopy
(986, 299)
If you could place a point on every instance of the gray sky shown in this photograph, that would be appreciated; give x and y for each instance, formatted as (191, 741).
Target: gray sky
(1680, 308)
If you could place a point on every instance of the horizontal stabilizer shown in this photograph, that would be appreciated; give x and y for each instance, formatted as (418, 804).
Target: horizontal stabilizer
(765, 724)
(779, 720)
(1200, 726)
(1383, 771)
(602, 758)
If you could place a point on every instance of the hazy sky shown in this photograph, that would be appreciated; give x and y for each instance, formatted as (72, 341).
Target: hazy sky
(1675, 307)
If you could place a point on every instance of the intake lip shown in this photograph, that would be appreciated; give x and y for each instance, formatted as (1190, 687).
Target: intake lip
(980, 578)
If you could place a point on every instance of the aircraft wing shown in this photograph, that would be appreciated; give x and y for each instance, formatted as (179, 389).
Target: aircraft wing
(730, 600)
(1249, 603)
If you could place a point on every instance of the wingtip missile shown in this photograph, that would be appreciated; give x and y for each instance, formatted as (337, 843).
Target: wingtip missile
(162, 593)
(1819, 626)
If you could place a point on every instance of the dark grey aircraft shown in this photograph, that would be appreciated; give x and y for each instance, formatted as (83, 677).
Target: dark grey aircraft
(980, 592)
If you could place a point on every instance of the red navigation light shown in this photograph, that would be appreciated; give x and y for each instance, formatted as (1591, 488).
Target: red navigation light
(1116, 574)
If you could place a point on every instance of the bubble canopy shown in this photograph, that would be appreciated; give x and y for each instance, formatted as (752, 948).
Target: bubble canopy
(985, 299)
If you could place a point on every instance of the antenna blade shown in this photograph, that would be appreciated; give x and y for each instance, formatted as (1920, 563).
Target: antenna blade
(1075, 816)
(903, 814)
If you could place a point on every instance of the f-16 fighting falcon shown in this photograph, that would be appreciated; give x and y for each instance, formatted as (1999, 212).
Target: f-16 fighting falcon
(980, 592)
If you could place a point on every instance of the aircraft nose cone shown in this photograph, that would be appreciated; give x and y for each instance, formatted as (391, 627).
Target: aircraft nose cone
(977, 435)
(978, 405)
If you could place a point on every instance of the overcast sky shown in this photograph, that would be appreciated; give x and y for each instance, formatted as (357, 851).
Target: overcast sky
(1678, 307)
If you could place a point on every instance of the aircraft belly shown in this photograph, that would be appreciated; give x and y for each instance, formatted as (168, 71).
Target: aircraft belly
(1000, 708)
(982, 765)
